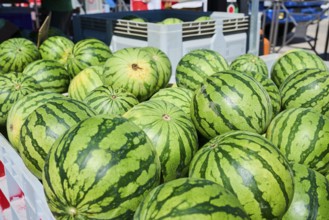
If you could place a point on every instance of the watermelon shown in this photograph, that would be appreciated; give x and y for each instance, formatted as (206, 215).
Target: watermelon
(101, 168)
(252, 168)
(311, 196)
(163, 64)
(293, 60)
(49, 74)
(306, 88)
(171, 21)
(21, 109)
(44, 125)
(14, 86)
(57, 48)
(270, 87)
(302, 135)
(250, 63)
(17, 53)
(190, 198)
(179, 96)
(85, 53)
(106, 100)
(134, 70)
(229, 100)
(203, 18)
(171, 132)
(196, 65)
(86, 81)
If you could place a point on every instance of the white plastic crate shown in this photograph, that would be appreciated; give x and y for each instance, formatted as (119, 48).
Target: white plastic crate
(225, 33)
(21, 193)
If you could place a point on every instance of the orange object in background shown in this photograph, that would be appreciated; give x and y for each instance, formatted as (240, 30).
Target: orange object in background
(266, 46)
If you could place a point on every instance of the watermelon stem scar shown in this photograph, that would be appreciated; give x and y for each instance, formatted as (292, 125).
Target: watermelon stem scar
(72, 211)
(166, 117)
(135, 67)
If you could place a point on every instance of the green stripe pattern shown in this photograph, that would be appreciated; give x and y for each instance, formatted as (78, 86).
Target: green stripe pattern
(306, 88)
(57, 48)
(100, 169)
(21, 109)
(17, 53)
(250, 63)
(85, 53)
(302, 135)
(293, 60)
(252, 168)
(107, 100)
(311, 197)
(163, 64)
(228, 101)
(134, 70)
(49, 74)
(86, 81)
(190, 198)
(44, 125)
(179, 96)
(196, 65)
(171, 132)
(14, 86)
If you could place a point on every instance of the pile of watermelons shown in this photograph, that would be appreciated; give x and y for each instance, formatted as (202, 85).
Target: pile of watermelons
(110, 138)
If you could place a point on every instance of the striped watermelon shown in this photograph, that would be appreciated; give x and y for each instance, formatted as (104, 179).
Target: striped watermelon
(134, 70)
(302, 135)
(250, 63)
(85, 53)
(306, 88)
(49, 74)
(196, 65)
(179, 96)
(57, 48)
(106, 100)
(272, 90)
(171, 21)
(163, 65)
(190, 198)
(228, 101)
(171, 132)
(84, 82)
(311, 197)
(252, 168)
(14, 86)
(100, 169)
(21, 109)
(293, 60)
(16, 53)
(44, 125)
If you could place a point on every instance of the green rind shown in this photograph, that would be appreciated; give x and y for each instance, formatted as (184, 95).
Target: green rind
(16, 53)
(311, 197)
(293, 60)
(250, 63)
(86, 81)
(181, 97)
(302, 135)
(252, 168)
(21, 109)
(163, 65)
(86, 53)
(100, 169)
(57, 48)
(306, 88)
(190, 198)
(49, 74)
(44, 125)
(172, 133)
(14, 86)
(229, 101)
(134, 70)
(106, 100)
(196, 65)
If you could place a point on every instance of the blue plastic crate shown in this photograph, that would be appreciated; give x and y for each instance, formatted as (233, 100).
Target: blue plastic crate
(19, 16)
